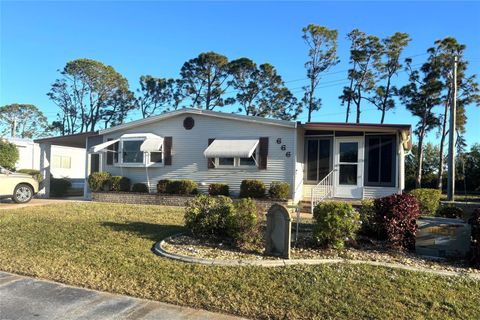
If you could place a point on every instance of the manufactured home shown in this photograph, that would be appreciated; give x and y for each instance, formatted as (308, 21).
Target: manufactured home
(319, 160)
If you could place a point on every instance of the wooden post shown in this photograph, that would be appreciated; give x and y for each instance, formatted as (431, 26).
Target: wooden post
(451, 142)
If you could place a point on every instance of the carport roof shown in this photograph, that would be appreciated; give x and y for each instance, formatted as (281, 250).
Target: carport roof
(77, 140)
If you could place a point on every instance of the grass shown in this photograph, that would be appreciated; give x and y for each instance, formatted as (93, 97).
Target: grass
(463, 198)
(108, 247)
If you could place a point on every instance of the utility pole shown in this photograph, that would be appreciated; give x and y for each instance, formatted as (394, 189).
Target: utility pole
(452, 130)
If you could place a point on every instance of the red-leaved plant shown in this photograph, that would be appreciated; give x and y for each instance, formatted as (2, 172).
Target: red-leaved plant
(396, 219)
(475, 240)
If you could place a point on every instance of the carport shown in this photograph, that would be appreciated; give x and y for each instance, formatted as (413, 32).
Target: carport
(79, 140)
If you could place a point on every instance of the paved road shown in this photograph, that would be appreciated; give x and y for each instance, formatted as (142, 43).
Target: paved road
(27, 298)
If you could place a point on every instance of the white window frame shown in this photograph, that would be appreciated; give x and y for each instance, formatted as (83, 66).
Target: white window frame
(236, 162)
(146, 155)
(61, 157)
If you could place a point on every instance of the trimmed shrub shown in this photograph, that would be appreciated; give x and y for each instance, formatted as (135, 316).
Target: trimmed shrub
(162, 186)
(279, 190)
(209, 217)
(59, 187)
(181, 187)
(140, 187)
(335, 223)
(367, 217)
(395, 219)
(244, 228)
(475, 238)
(218, 189)
(428, 199)
(252, 189)
(450, 212)
(98, 181)
(120, 183)
(34, 173)
(8, 154)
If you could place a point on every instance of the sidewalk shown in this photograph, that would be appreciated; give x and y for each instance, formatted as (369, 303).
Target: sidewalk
(29, 298)
(9, 204)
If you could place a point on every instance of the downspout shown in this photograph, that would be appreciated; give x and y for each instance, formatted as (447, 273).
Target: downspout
(294, 182)
(146, 170)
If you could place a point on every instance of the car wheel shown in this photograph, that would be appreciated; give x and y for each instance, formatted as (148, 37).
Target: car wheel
(23, 193)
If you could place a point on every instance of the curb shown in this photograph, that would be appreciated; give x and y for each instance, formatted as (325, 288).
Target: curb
(160, 251)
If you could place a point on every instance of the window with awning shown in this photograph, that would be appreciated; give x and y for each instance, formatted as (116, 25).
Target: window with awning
(141, 148)
(154, 146)
(233, 152)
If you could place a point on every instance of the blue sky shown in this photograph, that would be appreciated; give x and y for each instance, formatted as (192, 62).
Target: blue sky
(138, 38)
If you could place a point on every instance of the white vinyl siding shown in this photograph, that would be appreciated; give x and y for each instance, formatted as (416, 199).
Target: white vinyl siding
(188, 161)
(378, 192)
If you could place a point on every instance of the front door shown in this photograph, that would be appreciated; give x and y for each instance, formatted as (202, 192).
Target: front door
(349, 166)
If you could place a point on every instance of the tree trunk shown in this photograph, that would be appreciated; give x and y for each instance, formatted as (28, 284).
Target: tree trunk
(14, 128)
(385, 99)
(310, 98)
(349, 101)
(348, 111)
(358, 105)
(418, 178)
(442, 143)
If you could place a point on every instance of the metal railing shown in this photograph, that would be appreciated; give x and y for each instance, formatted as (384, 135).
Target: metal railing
(323, 190)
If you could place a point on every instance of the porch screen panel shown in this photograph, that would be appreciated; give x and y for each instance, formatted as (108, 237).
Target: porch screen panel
(373, 147)
(312, 158)
(380, 161)
(323, 159)
(386, 170)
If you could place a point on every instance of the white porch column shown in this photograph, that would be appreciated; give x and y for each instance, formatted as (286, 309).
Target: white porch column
(401, 169)
(45, 155)
(86, 189)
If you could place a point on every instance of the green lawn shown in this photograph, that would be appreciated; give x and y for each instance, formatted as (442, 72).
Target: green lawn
(108, 247)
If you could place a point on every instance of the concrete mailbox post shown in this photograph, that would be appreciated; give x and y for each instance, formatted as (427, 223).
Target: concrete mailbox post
(279, 226)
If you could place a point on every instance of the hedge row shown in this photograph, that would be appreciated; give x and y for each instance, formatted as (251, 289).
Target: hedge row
(104, 181)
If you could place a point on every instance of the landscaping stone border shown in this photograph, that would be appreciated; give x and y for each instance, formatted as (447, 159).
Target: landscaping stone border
(159, 250)
(163, 199)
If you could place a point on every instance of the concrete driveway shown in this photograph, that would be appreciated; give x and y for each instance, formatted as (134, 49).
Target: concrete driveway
(9, 204)
(27, 298)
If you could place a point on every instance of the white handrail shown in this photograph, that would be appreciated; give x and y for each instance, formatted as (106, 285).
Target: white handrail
(323, 190)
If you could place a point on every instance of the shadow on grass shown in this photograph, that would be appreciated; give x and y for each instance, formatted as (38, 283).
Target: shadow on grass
(149, 231)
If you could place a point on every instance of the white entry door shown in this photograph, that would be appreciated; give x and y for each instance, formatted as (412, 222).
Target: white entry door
(349, 166)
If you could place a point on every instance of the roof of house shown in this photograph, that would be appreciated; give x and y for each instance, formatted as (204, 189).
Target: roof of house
(357, 126)
(404, 129)
(210, 113)
(76, 140)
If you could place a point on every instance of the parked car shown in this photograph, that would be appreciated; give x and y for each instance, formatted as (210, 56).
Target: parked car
(18, 186)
